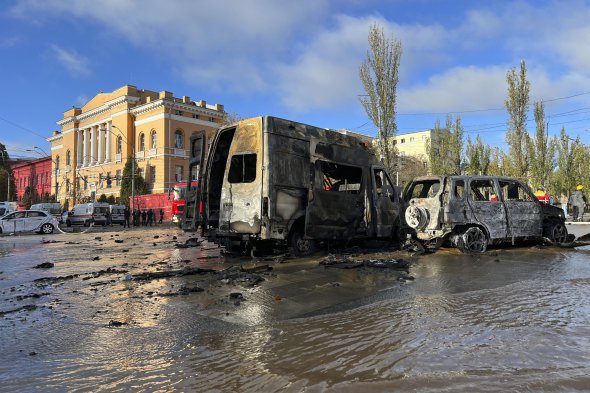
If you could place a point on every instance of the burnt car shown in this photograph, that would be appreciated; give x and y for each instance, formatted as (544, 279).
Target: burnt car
(471, 212)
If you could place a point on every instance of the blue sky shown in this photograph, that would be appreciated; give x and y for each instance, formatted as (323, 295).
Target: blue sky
(293, 59)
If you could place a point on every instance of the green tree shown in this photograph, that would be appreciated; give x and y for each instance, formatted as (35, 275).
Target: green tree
(6, 176)
(111, 199)
(570, 161)
(500, 163)
(140, 187)
(542, 150)
(445, 150)
(379, 75)
(29, 197)
(517, 105)
(479, 157)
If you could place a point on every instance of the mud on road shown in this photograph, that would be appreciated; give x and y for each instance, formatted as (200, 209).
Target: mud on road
(142, 309)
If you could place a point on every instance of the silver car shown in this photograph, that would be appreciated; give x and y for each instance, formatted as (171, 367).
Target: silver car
(28, 221)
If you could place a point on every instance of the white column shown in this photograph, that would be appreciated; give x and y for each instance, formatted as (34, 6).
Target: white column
(109, 143)
(79, 153)
(101, 143)
(86, 147)
(92, 145)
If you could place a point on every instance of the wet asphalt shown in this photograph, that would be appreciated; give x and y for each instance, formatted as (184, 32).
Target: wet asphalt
(115, 309)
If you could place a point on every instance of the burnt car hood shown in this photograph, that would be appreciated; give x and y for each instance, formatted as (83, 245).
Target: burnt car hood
(552, 211)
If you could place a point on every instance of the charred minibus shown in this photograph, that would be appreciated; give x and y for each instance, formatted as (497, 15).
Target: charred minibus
(268, 179)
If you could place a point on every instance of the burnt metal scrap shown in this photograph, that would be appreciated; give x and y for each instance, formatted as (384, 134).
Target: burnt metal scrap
(347, 262)
(471, 212)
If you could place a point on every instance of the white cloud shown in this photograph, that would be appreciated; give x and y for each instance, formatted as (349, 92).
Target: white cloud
(215, 39)
(71, 60)
(9, 42)
(309, 54)
(460, 88)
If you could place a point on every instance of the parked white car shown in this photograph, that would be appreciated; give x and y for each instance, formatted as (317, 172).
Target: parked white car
(28, 221)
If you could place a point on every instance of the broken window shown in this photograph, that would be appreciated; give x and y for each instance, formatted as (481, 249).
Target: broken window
(341, 178)
(424, 189)
(483, 190)
(242, 168)
(514, 191)
(459, 189)
(383, 186)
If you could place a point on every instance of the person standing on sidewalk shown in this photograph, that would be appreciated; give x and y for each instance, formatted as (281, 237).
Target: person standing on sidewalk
(150, 217)
(126, 215)
(563, 202)
(161, 216)
(579, 203)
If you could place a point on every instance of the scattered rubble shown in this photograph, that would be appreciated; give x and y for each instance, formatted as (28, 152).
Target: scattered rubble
(44, 265)
(28, 307)
(115, 323)
(192, 242)
(347, 262)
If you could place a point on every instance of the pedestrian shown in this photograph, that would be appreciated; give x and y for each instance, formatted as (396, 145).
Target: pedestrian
(135, 217)
(150, 217)
(143, 218)
(579, 203)
(161, 216)
(126, 215)
(563, 202)
(107, 215)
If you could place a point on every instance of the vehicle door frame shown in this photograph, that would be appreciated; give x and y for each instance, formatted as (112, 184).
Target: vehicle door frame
(519, 219)
(191, 214)
(318, 221)
(384, 205)
(492, 215)
(37, 221)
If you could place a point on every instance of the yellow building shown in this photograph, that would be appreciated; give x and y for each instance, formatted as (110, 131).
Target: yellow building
(96, 140)
(414, 144)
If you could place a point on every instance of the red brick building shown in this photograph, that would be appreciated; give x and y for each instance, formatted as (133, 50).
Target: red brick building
(34, 173)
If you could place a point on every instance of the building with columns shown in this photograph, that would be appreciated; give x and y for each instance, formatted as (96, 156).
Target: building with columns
(96, 140)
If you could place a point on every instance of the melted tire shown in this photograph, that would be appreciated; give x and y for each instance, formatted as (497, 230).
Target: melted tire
(557, 233)
(298, 246)
(473, 240)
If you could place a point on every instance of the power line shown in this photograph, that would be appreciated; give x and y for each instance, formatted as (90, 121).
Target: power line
(22, 128)
(487, 109)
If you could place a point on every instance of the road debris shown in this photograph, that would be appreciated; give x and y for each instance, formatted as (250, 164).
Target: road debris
(347, 262)
(44, 265)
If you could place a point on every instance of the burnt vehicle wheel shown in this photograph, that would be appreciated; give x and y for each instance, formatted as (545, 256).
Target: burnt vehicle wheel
(298, 245)
(557, 233)
(416, 217)
(473, 240)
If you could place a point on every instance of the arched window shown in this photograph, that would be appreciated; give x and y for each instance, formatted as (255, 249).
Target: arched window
(119, 144)
(57, 163)
(178, 140)
(154, 138)
(142, 142)
(68, 157)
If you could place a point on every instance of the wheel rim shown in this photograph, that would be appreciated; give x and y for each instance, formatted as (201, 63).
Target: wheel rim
(559, 233)
(46, 228)
(475, 240)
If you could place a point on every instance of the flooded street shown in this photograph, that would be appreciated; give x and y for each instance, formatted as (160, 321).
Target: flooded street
(101, 319)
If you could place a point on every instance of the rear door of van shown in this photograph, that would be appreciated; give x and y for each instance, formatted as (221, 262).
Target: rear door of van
(241, 194)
